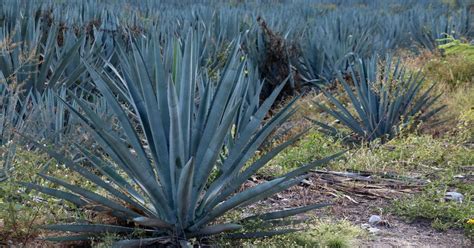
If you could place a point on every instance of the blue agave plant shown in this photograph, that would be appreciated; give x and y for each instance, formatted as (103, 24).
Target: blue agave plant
(176, 129)
(382, 101)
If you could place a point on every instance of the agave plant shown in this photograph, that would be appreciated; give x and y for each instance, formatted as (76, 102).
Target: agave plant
(328, 47)
(31, 58)
(175, 127)
(383, 101)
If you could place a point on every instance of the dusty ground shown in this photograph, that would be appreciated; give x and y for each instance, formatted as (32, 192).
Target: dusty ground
(357, 207)
(399, 233)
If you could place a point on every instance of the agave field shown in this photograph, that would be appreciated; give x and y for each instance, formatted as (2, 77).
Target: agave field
(236, 123)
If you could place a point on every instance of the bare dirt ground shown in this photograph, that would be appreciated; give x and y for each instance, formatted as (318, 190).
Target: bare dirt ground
(357, 204)
(399, 233)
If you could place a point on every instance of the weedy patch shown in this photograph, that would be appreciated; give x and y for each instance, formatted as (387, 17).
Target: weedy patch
(451, 68)
(443, 164)
(21, 210)
(431, 205)
(313, 146)
(323, 233)
(329, 234)
(412, 154)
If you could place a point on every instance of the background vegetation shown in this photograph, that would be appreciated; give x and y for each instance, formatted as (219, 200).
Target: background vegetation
(105, 103)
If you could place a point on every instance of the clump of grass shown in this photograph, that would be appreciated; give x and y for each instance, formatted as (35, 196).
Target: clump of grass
(329, 234)
(465, 127)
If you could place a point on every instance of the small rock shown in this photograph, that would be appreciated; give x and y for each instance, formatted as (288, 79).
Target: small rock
(365, 226)
(306, 183)
(454, 196)
(375, 220)
(374, 230)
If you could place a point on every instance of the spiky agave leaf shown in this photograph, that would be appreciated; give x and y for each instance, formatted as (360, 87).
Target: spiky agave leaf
(176, 125)
(383, 101)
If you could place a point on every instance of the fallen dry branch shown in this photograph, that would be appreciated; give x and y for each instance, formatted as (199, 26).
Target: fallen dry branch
(365, 185)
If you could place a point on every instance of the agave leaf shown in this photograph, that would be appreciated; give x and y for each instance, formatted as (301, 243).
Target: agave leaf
(91, 196)
(66, 60)
(186, 96)
(239, 179)
(57, 193)
(176, 147)
(89, 228)
(143, 242)
(286, 213)
(237, 200)
(91, 177)
(185, 185)
(145, 221)
(110, 172)
(216, 229)
(305, 168)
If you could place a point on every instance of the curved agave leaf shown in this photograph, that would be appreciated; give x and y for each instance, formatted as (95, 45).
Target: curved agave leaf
(286, 213)
(89, 228)
(216, 229)
(143, 242)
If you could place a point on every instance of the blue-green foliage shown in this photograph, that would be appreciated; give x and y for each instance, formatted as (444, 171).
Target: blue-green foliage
(165, 87)
(382, 101)
(174, 125)
(324, 30)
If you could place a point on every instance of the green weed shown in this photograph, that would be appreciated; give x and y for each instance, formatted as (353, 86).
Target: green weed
(314, 145)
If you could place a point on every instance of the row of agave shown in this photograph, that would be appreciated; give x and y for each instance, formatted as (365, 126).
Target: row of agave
(323, 31)
(176, 141)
